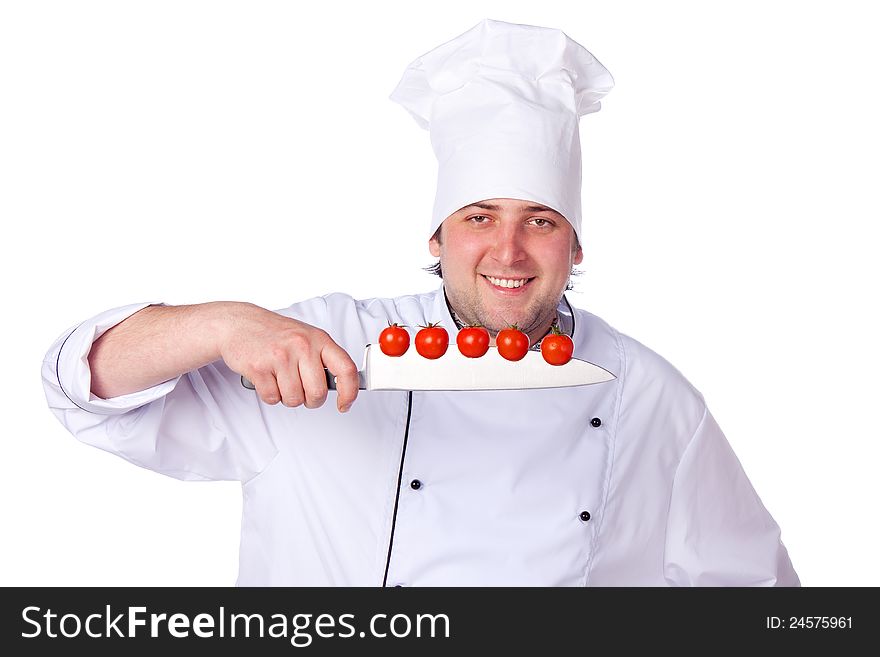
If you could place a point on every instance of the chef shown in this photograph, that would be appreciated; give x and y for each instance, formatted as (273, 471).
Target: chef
(629, 482)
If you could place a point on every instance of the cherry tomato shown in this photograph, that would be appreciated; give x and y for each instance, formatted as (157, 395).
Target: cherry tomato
(394, 341)
(512, 343)
(473, 341)
(557, 348)
(432, 341)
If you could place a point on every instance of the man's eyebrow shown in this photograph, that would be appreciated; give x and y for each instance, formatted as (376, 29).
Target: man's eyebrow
(538, 208)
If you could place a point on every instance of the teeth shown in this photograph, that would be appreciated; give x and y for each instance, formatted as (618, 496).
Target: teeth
(507, 282)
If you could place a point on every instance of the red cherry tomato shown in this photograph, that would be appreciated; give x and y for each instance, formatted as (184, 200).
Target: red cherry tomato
(432, 341)
(473, 341)
(512, 343)
(394, 341)
(557, 348)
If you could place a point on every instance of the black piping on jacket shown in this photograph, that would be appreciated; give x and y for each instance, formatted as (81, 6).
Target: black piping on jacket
(399, 482)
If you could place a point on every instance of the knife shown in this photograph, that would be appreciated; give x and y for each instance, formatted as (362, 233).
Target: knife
(454, 371)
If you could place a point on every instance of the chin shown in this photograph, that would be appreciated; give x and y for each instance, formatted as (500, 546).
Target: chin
(498, 319)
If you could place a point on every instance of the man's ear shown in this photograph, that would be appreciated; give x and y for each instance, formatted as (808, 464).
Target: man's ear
(579, 256)
(434, 246)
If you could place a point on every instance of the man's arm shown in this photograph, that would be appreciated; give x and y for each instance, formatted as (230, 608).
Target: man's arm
(283, 357)
(718, 532)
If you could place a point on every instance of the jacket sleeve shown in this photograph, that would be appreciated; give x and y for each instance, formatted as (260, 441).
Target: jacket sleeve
(200, 426)
(718, 532)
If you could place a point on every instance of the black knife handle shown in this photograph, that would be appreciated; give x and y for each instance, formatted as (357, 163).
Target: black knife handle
(331, 381)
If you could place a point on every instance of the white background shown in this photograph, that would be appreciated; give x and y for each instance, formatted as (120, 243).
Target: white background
(194, 151)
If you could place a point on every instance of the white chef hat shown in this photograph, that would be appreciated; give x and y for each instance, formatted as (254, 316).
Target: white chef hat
(502, 103)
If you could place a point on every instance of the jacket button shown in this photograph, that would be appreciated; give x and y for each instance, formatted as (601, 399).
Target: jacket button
(415, 484)
(585, 516)
(596, 422)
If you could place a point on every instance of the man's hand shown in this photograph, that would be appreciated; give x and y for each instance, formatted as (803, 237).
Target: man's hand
(285, 358)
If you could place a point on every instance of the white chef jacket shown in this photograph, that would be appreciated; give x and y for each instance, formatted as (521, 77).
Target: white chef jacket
(629, 482)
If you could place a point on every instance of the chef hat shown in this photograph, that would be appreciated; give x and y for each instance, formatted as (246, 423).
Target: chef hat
(502, 103)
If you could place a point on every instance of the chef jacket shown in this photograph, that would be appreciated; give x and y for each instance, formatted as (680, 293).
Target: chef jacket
(629, 482)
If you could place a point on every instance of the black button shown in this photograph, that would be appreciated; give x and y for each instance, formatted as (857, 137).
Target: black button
(415, 484)
(585, 516)
(596, 422)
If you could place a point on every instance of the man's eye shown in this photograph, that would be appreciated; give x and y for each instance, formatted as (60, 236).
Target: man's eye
(479, 219)
(541, 222)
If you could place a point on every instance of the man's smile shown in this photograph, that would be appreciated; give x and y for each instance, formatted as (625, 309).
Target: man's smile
(507, 284)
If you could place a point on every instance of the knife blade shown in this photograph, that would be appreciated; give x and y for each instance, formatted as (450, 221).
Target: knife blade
(454, 371)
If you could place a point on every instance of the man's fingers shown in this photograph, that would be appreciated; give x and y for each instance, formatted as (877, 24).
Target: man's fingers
(343, 368)
(266, 387)
(314, 382)
(286, 358)
(290, 386)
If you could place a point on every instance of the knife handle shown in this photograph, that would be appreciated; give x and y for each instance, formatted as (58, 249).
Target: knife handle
(331, 381)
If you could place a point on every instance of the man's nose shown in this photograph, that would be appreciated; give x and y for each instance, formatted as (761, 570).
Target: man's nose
(509, 246)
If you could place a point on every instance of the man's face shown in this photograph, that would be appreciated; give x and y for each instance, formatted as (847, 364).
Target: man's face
(506, 261)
